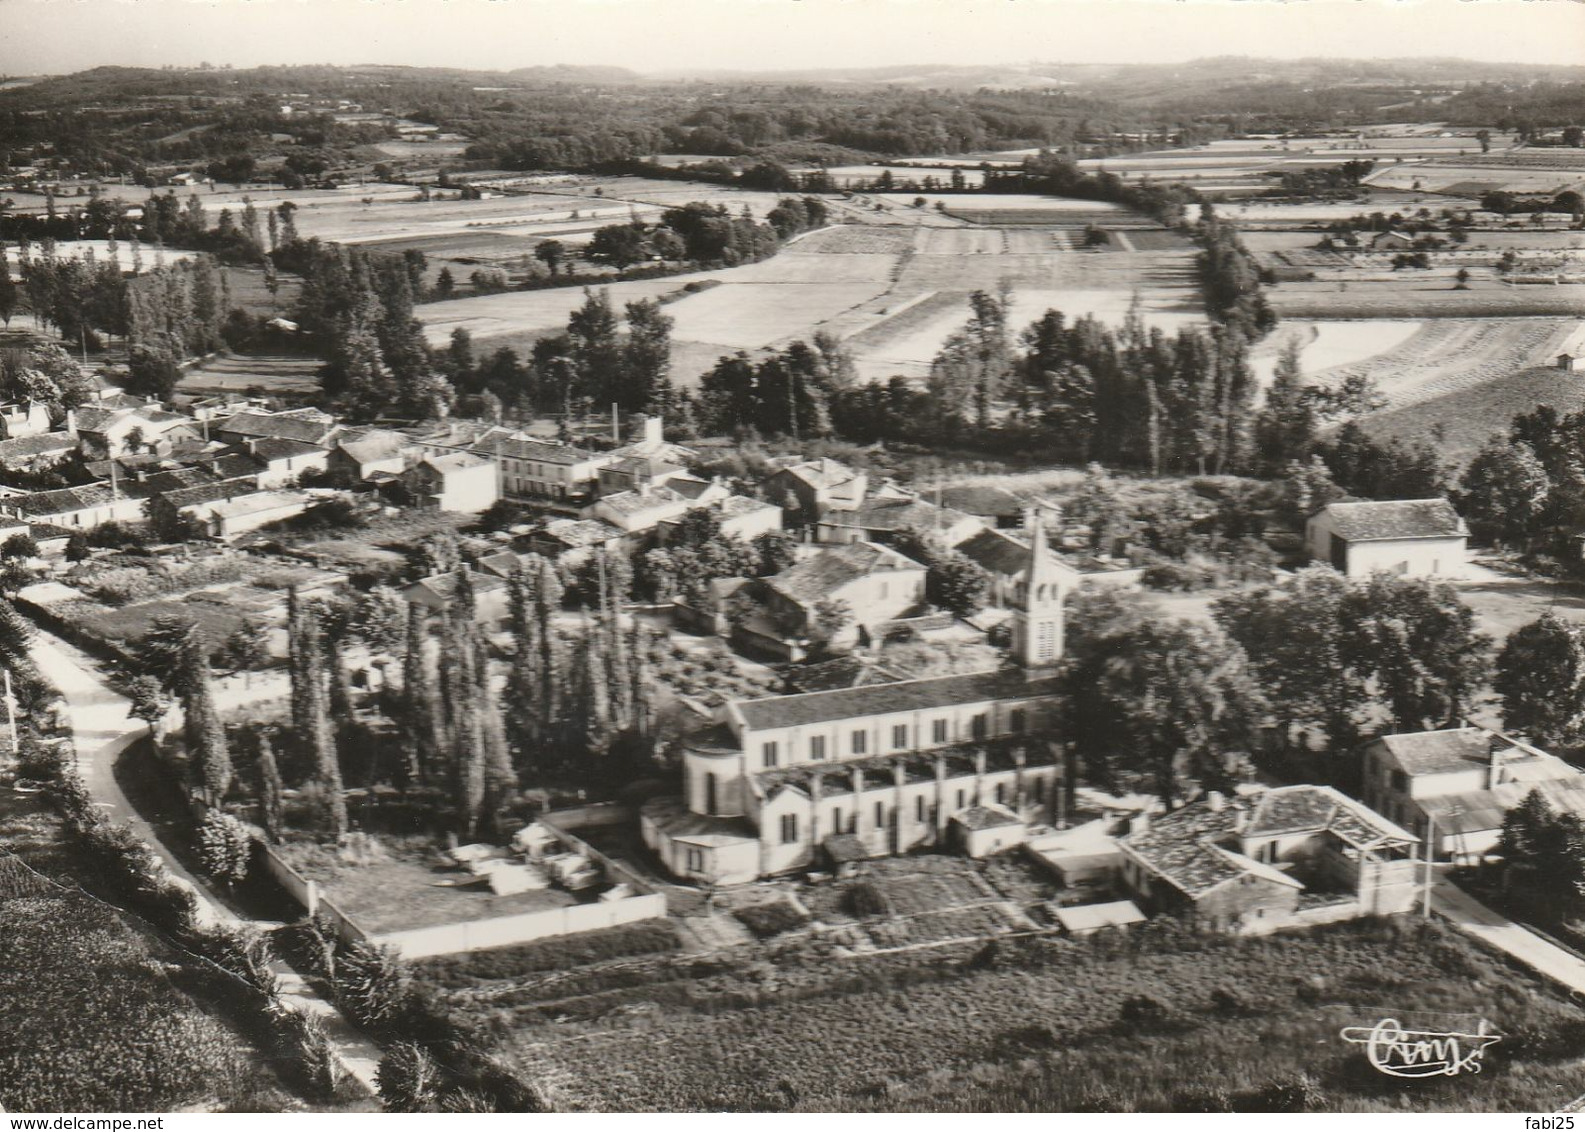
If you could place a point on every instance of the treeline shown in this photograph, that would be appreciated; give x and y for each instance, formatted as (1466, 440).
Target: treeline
(596, 363)
(706, 234)
(1526, 490)
(1231, 279)
(163, 220)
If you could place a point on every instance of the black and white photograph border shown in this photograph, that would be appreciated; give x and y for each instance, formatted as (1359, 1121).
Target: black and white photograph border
(791, 556)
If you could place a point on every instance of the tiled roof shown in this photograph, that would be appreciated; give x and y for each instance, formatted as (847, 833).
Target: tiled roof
(209, 492)
(173, 479)
(883, 699)
(1433, 752)
(272, 448)
(643, 466)
(679, 823)
(986, 501)
(540, 451)
(1180, 847)
(821, 473)
(455, 462)
(62, 500)
(691, 486)
(851, 671)
(735, 505)
(279, 425)
(232, 465)
(636, 502)
(94, 418)
(1304, 809)
(254, 502)
(580, 532)
(373, 444)
(998, 552)
(896, 515)
(23, 447)
(1394, 519)
(445, 585)
(816, 577)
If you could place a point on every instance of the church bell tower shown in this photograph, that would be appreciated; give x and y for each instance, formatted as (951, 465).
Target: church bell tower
(1037, 609)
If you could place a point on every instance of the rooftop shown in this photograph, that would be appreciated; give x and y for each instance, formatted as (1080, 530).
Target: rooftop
(580, 532)
(986, 817)
(817, 576)
(852, 671)
(62, 500)
(280, 426)
(884, 699)
(1369, 521)
(896, 515)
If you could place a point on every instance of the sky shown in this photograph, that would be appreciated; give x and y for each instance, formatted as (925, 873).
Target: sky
(54, 36)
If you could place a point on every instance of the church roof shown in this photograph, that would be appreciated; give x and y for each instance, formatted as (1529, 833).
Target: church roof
(885, 699)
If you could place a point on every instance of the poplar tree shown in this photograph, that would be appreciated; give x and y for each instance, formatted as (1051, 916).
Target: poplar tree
(271, 807)
(205, 734)
(310, 709)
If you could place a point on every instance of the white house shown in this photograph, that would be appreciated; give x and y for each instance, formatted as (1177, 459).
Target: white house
(457, 481)
(1412, 537)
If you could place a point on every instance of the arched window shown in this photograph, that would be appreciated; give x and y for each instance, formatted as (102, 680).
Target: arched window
(709, 794)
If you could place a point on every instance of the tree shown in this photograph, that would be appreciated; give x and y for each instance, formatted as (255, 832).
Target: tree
(20, 546)
(1285, 428)
(445, 284)
(310, 707)
(551, 253)
(1167, 706)
(149, 701)
(201, 724)
(1540, 678)
(646, 357)
(151, 372)
(247, 649)
(1417, 641)
(77, 548)
(828, 618)
(1484, 137)
(271, 803)
(1503, 492)
(777, 551)
(1292, 638)
(957, 584)
(225, 848)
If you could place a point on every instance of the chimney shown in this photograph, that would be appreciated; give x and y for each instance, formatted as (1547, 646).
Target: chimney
(654, 430)
(1216, 800)
(1139, 823)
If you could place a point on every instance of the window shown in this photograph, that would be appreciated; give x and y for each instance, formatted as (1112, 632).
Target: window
(938, 731)
(769, 755)
(817, 747)
(1001, 793)
(919, 807)
(836, 820)
(695, 863)
(789, 829)
(1017, 720)
(900, 735)
(859, 742)
(1040, 790)
(1400, 781)
(1046, 641)
(709, 794)
(960, 799)
(978, 726)
(880, 815)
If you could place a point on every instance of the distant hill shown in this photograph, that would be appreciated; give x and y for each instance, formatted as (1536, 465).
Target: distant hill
(564, 73)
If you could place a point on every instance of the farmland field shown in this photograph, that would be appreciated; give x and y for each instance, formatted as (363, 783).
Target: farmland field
(1325, 345)
(1416, 296)
(1035, 1027)
(892, 291)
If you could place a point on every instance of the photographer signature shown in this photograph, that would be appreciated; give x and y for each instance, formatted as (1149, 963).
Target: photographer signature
(1399, 1052)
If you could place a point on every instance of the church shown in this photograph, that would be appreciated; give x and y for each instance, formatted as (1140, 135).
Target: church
(813, 780)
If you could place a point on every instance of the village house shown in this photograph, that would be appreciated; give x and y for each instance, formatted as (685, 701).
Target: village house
(1003, 554)
(76, 508)
(1392, 242)
(1454, 786)
(108, 433)
(636, 512)
(572, 541)
(1291, 854)
(282, 460)
(37, 453)
(741, 517)
(539, 471)
(457, 481)
(882, 519)
(243, 513)
(637, 473)
(310, 426)
(196, 502)
(1408, 537)
(363, 454)
(876, 583)
(772, 783)
(29, 418)
(651, 443)
(811, 488)
(491, 594)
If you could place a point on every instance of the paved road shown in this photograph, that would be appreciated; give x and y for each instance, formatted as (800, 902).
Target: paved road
(101, 729)
(1471, 916)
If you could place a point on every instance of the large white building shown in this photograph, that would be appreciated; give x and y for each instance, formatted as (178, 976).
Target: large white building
(887, 767)
(1413, 537)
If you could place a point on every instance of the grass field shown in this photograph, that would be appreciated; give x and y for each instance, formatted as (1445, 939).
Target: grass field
(1415, 296)
(1327, 345)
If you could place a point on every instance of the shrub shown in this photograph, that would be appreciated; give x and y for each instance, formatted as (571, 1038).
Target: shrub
(772, 917)
(408, 1079)
(371, 984)
(225, 847)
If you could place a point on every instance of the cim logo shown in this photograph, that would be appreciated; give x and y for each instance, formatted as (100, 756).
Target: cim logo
(1421, 1050)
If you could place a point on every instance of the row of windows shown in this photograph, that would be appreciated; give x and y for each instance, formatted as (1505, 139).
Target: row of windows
(923, 811)
(858, 740)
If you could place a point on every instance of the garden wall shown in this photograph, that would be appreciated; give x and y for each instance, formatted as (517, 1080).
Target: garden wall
(474, 935)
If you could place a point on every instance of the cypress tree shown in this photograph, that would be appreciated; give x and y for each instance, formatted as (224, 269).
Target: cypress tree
(310, 709)
(205, 734)
(270, 786)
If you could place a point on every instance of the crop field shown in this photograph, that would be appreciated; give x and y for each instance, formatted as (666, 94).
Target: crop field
(893, 291)
(1324, 346)
(1460, 422)
(1425, 295)
(1447, 356)
(1031, 1027)
(284, 375)
(1474, 179)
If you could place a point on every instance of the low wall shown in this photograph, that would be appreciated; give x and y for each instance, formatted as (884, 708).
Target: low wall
(475, 935)
(301, 889)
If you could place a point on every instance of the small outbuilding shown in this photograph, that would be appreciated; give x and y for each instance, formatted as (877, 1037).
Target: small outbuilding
(983, 830)
(1410, 537)
(1086, 919)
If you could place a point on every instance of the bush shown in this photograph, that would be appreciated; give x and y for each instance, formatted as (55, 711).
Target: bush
(408, 1079)
(225, 847)
(372, 984)
(772, 917)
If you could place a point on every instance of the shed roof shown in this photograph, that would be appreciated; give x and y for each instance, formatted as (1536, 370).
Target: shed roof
(1373, 521)
(1089, 917)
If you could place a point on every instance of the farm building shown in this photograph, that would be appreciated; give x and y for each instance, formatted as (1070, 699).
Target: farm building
(880, 519)
(818, 486)
(436, 592)
(1571, 358)
(1392, 242)
(1243, 864)
(1410, 537)
(983, 830)
(1465, 779)
(249, 512)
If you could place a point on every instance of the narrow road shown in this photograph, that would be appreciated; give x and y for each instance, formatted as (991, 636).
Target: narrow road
(102, 728)
(1473, 917)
